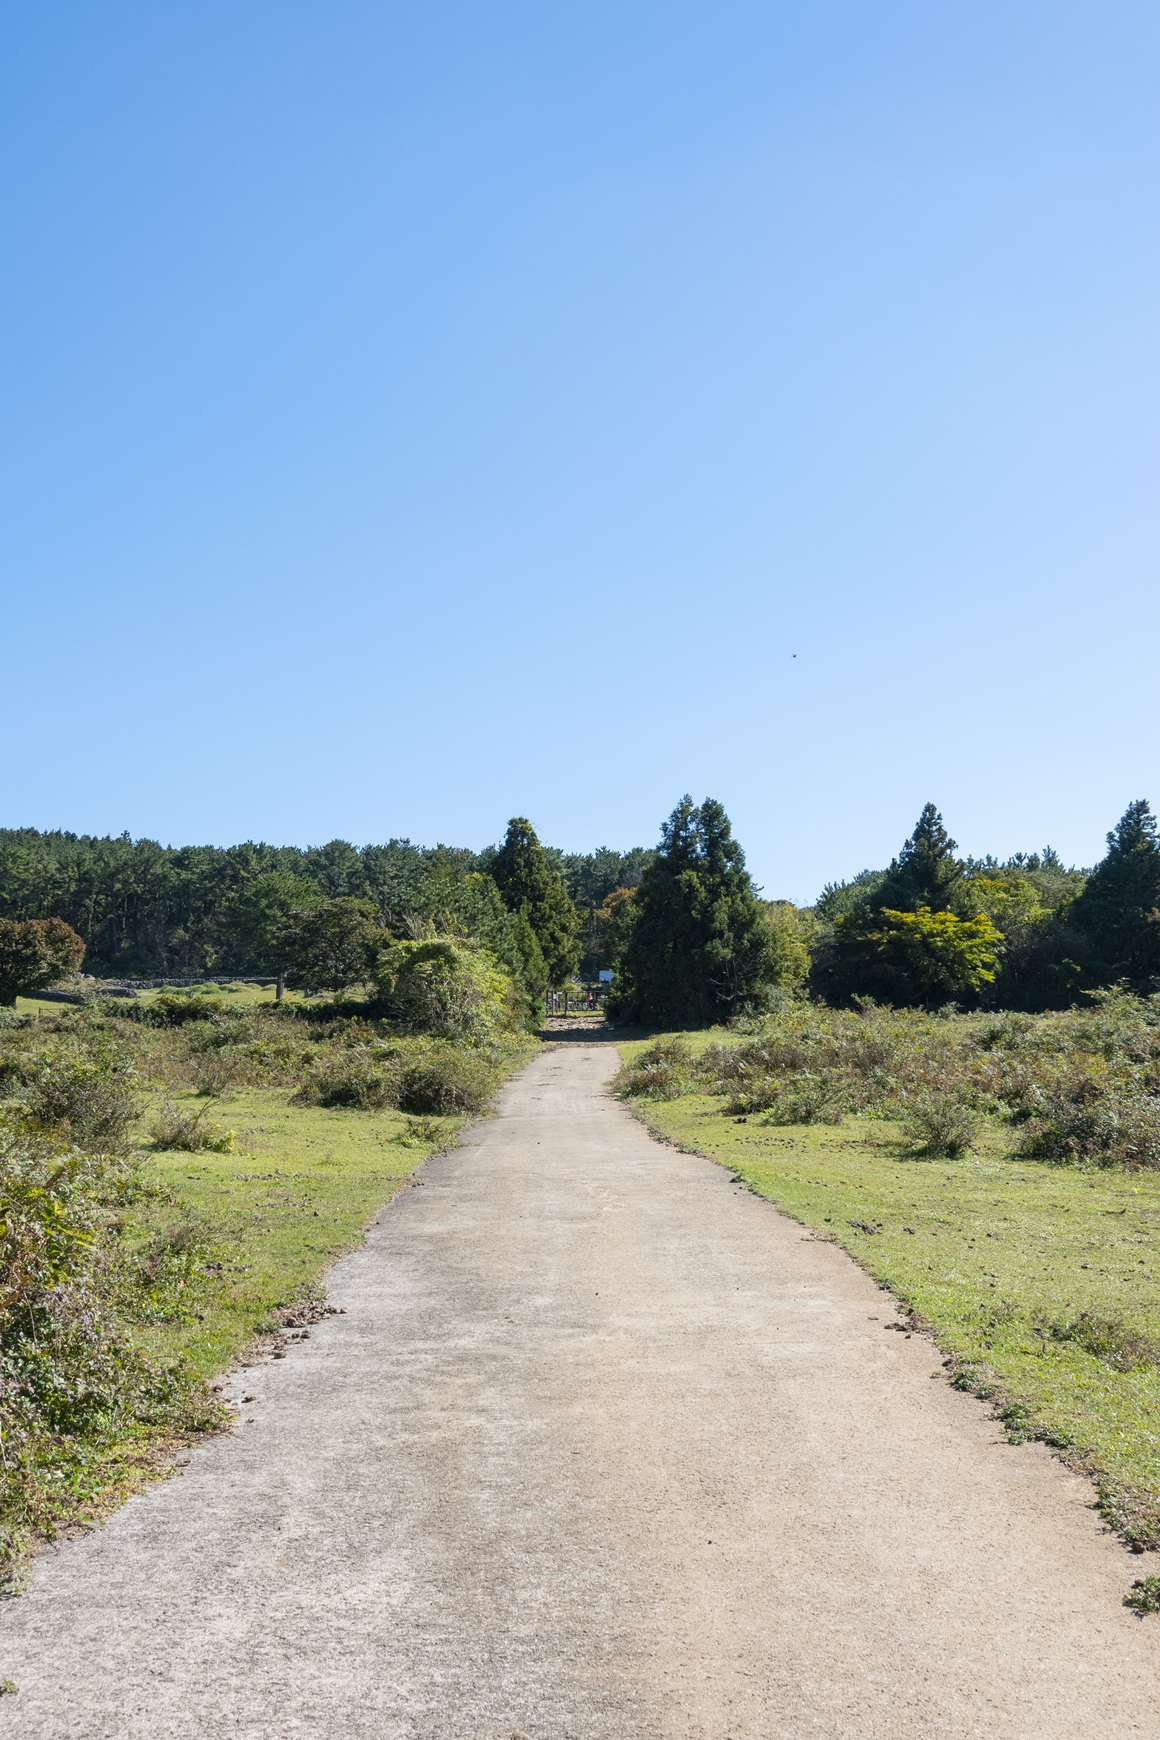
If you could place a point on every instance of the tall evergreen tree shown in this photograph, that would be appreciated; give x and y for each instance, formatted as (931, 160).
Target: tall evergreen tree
(700, 950)
(1118, 912)
(870, 953)
(925, 872)
(530, 886)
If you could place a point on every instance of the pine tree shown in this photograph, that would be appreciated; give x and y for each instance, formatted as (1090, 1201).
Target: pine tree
(1119, 910)
(530, 886)
(860, 957)
(925, 872)
(700, 950)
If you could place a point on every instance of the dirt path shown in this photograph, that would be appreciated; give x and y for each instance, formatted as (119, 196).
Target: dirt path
(604, 1448)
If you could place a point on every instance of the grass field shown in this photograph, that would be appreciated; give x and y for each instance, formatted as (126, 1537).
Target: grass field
(1040, 1283)
(262, 1223)
(134, 1274)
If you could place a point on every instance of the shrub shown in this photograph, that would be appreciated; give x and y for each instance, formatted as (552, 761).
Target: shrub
(432, 1078)
(86, 1096)
(940, 1125)
(449, 988)
(1116, 1127)
(188, 1133)
(800, 1098)
(448, 1080)
(215, 1071)
(227, 1028)
(357, 1081)
(171, 1009)
(664, 1072)
(73, 1384)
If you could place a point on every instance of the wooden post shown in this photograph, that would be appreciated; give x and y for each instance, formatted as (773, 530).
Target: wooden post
(279, 988)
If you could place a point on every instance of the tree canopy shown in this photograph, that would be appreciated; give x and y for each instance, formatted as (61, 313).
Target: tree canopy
(332, 945)
(35, 953)
(1118, 913)
(529, 886)
(700, 949)
(925, 872)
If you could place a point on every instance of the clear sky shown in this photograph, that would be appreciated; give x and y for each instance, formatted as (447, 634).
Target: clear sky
(420, 413)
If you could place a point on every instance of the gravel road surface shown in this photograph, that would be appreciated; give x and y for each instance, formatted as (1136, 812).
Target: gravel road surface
(604, 1448)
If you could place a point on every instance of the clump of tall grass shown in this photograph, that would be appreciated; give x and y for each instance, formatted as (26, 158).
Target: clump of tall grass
(664, 1071)
(1112, 1126)
(419, 1076)
(88, 1096)
(941, 1125)
(176, 1130)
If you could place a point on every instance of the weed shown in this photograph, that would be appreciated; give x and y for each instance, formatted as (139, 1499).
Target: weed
(215, 1071)
(1107, 1339)
(86, 1097)
(663, 1072)
(175, 1129)
(1144, 1595)
(940, 1125)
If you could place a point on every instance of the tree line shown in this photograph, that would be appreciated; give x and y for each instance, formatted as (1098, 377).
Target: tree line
(682, 926)
(152, 911)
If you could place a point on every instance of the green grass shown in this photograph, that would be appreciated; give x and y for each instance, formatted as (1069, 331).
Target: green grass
(1001, 1259)
(232, 996)
(295, 1196)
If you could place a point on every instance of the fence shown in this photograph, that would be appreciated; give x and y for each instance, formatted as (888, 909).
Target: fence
(574, 1002)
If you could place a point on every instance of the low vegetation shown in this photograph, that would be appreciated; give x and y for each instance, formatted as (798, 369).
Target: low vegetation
(175, 1174)
(949, 1065)
(999, 1173)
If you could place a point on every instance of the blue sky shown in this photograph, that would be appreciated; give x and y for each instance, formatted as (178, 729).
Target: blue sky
(420, 414)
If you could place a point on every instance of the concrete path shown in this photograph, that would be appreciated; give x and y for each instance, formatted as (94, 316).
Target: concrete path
(604, 1448)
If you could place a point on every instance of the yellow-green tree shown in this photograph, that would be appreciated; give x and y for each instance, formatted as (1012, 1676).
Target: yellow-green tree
(921, 957)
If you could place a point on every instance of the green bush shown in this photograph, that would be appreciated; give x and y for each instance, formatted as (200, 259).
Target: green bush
(88, 1096)
(800, 1098)
(357, 1080)
(449, 988)
(664, 1072)
(171, 1009)
(1112, 1127)
(423, 1076)
(940, 1125)
(449, 1080)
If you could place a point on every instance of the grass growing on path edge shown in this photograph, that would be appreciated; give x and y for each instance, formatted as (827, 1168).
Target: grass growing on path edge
(196, 1260)
(1040, 1283)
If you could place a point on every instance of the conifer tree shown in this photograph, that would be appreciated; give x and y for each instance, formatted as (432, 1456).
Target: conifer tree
(925, 872)
(529, 886)
(700, 950)
(873, 950)
(1118, 912)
